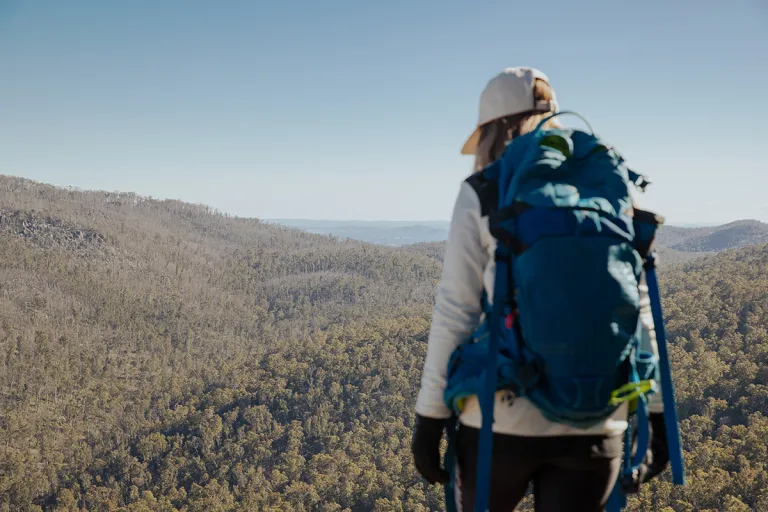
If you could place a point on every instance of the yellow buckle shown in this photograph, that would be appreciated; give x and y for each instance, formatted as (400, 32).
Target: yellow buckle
(631, 391)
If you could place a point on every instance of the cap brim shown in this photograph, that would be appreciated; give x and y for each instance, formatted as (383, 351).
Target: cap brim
(470, 147)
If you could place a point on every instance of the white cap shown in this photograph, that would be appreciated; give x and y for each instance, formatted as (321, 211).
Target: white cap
(508, 93)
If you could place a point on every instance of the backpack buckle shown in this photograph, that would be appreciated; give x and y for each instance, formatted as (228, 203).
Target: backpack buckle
(509, 320)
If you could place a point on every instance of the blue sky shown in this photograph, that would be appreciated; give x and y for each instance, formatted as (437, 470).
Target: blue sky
(345, 109)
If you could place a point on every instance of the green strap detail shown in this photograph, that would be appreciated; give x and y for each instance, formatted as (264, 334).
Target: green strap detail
(632, 390)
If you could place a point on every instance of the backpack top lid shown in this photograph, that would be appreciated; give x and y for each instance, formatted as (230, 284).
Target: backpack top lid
(565, 169)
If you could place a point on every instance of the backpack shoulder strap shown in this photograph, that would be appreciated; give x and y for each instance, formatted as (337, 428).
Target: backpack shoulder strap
(486, 186)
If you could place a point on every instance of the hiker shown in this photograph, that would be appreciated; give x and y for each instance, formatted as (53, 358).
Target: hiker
(571, 469)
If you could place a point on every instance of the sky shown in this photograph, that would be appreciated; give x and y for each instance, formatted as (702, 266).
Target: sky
(345, 109)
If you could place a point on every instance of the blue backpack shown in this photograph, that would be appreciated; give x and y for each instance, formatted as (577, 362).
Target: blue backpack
(563, 329)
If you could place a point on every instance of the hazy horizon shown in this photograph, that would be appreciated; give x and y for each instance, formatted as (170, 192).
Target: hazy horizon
(296, 222)
(447, 222)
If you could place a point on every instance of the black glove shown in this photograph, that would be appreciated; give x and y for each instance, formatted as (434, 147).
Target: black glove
(657, 456)
(657, 459)
(425, 447)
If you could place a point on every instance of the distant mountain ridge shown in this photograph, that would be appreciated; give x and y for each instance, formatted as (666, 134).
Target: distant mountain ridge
(674, 242)
(393, 233)
(714, 239)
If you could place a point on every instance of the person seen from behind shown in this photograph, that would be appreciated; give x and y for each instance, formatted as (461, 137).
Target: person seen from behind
(571, 469)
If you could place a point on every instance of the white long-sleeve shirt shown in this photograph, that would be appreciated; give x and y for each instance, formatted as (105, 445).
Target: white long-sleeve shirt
(468, 268)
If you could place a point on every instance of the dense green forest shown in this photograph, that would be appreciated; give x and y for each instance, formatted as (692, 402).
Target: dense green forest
(161, 356)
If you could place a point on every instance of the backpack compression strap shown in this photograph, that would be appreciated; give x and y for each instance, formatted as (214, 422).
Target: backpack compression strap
(486, 184)
(485, 444)
(631, 465)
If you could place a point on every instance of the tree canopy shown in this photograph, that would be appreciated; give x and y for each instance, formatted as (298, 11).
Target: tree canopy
(161, 356)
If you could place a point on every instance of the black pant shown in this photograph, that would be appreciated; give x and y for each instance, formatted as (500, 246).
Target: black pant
(574, 474)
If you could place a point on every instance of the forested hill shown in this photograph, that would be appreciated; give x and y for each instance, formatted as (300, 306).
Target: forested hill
(156, 350)
(160, 356)
(714, 239)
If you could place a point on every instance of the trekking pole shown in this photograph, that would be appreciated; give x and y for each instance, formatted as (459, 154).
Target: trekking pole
(665, 371)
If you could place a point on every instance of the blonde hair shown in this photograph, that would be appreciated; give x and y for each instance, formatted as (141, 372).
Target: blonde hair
(495, 135)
